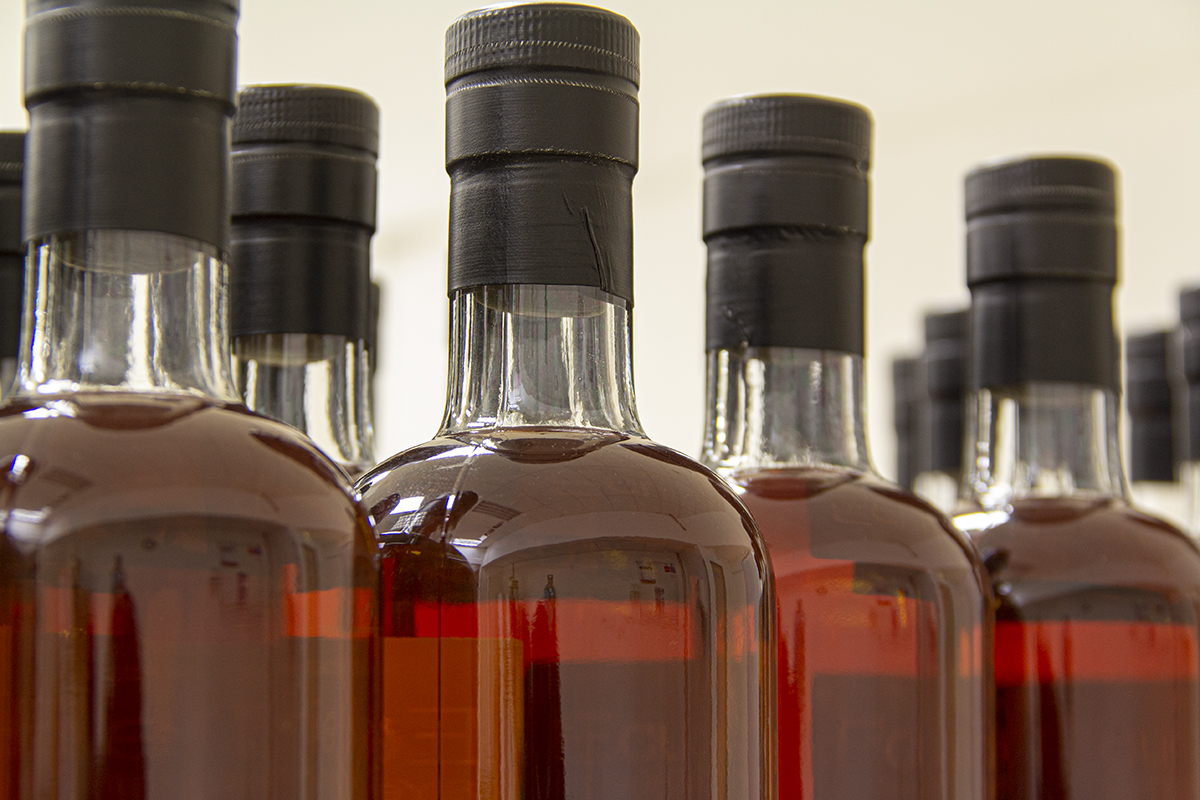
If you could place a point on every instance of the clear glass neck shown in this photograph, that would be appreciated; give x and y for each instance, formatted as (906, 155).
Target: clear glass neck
(319, 384)
(1042, 440)
(129, 311)
(773, 407)
(537, 355)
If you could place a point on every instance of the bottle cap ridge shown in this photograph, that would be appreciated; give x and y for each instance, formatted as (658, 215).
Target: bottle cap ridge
(303, 113)
(788, 124)
(551, 35)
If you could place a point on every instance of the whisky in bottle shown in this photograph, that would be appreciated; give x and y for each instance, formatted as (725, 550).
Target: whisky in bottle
(883, 625)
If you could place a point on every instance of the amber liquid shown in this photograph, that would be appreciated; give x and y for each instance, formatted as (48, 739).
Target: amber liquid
(881, 640)
(1097, 682)
(200, 621)
(566, 614)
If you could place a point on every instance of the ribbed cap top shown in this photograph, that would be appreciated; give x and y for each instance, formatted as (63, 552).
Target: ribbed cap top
(788, 125)
(553, 35)
(1041, 183)
(299, 113)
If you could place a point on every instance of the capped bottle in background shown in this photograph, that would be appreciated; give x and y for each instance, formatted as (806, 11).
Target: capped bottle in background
(12, 258)
(569, 609)
(304, 185)
(1149, 398)
(940, 425)
(907, 395)
(1097, 604)
(883, 625)
(1187, 426)
(204, 590)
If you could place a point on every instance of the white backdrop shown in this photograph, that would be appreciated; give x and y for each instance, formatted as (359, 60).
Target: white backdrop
(950, 83)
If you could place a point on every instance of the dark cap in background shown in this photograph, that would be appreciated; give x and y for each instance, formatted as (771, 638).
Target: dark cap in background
(304, 189)
(542, 146)
(1148, 398)
(907, 400)
(128, 111)
(1042, 265)
(12, 248)
(945, 372)
(786, 220)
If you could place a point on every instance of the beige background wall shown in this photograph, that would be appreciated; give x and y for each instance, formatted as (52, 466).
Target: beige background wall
(950, 82)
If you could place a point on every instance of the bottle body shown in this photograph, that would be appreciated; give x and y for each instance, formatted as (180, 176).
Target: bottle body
(568, 609)
(199, 588)
(577, 613)
(884, 635)
(1097, 612)
(199, 611)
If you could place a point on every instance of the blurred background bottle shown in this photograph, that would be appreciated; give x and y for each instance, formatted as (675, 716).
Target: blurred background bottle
(940, 426)
(907, 398)
(303, 216)
(1149, 398)
(12, 256)
(1097, 604)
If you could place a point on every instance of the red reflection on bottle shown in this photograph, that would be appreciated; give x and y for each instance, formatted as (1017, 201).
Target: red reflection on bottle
(1096, 659)
(881, 639)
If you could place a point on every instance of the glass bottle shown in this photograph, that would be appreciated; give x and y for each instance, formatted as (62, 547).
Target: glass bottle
(883, 626)
(1096, 603)
(569, 609)
(1186, 375)
(944, 367)
(13, 563)
(906, 406)
(202, 595)
(303, 215)
(1150, 401)
(12, 264)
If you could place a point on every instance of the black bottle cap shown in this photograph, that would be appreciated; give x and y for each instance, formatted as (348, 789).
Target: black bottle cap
(907, 399)
(786, 221)
(304, 198)
(541, 146)
(128, 108)
(1189, 351)
(1042, 264)
(945, 368)
(12, 250)
(1148, 397)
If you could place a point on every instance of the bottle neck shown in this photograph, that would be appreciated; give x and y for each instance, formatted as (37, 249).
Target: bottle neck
(778, 407)
(1042, 440)
(524, 355)
(319, 384)
(127, 311)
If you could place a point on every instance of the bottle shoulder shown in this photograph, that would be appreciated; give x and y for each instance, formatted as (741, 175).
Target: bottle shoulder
(843, 514)
(560, 483)
(1052, 546)
(69, 461)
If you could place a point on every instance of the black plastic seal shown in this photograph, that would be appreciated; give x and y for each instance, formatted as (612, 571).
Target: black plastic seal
(1042, 265)
(945, 370)
(541, 147)
(12, 249)
(128, 105)
(786, 222)
(1148, 398)
(304, 187)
